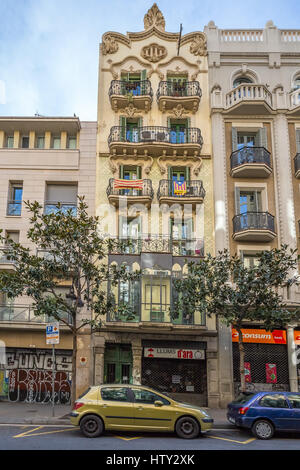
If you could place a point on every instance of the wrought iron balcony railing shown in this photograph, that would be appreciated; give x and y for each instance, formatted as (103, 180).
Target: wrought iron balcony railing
(134, 88)
(24, 313)
(4, 256)
(250, 155)
(184, 89)
(146, 191)
(254, 221)
(51, 207)
(155, 313)
(159, 244)
(14, 208)
(150, 134)
(297, 163)
(191, 189)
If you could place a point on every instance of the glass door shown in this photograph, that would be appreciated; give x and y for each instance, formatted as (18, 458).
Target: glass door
(178, 133)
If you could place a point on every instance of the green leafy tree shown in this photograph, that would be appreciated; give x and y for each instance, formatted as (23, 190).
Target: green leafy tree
(66, 247)
(224, 287)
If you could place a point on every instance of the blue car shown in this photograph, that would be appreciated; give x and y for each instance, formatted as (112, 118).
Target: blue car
(266, 412)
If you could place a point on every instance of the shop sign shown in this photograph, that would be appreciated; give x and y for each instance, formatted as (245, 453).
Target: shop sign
(260, 336)
(172, 353)
(297, 337)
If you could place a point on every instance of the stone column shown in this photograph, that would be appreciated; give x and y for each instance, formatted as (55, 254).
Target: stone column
(286, 224)
(98, 365)
(292, 358)
(137, 364)
(222, 242)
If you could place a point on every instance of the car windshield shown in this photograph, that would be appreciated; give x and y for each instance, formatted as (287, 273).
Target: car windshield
(243, 398)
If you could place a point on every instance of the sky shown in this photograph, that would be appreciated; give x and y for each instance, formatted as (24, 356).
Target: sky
(49, 48)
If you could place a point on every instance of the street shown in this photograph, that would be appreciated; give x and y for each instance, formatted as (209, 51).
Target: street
(45, 437)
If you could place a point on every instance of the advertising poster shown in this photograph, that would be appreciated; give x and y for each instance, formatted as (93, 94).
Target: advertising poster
(247, 372)
(271, 373)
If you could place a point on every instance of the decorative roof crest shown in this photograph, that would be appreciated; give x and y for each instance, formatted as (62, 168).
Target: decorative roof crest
(154, 17)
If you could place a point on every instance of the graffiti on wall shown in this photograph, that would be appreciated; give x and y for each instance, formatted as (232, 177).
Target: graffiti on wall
(28, 376)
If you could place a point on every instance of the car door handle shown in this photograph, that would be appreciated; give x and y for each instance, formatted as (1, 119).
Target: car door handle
(140, 408)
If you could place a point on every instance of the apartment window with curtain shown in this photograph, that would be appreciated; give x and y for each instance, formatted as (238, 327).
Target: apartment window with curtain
(56, 142)
(15, 194)
(10, 141)
(63, 194)
(40, 142)
(72, 142)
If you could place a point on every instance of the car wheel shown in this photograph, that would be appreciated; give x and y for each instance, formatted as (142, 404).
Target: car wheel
(187, 428)
(263, 429)
(91, 426)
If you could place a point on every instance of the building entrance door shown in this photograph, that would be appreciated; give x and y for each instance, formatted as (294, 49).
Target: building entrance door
(118, 363)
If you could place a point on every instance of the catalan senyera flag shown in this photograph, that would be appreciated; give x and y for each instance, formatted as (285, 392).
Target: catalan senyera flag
(128, 184)
(179, 187)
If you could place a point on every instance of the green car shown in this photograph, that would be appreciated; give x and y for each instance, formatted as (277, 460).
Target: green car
(136, 408)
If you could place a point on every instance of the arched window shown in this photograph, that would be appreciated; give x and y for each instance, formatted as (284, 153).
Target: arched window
(296, 83)
(239, 80)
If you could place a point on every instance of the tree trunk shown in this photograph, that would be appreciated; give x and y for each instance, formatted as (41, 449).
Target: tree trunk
(74, 360)
(242, 360)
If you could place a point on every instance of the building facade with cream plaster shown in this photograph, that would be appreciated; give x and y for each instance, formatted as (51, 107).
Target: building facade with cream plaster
(49, 160)
(254, 81)
(155, 172)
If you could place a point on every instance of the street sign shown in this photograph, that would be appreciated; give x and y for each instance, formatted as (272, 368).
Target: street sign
(52, 333)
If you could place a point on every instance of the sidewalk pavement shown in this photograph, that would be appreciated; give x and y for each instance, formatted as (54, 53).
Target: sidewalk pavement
(39, 413)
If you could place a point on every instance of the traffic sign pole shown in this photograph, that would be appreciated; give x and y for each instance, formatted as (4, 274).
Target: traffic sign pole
(53, 378)
(52, 337)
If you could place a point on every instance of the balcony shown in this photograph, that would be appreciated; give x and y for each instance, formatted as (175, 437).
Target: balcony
(187, 94)
(251, 162)
(51, 207)
(155, 140)
(295, 102)
(159, 244)
(249, 99)
(148, 315)
(14, 208)
(139, 93)
(5, 262)
(22, 314)
(188, 192)
(297, 165)
(254, 227)
(119, 190)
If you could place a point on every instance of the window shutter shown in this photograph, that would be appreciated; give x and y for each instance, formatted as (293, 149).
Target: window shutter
(188, 123)
(61, 193)
(187, 173)
(139, 172)
(169, 122)
(122, 171)
(140, 122)
(298, 140)
(144, 74)
(122, 121)
(237, 201)
(262, 137)
(234, 139)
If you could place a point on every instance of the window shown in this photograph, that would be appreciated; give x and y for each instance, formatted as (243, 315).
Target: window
(25, 142)
(147, 397)
(179, 131)
(242, 139)
(250, 260)
(13, 235)
(64, 194)
(240, 80)
(296, 83)
(10, 141)
(56, 142)
(274, 401)
(72, 142)
(177, 85)
(182, 229)
(40, 142)
(248, 201)
(114, 394)
(294, 400)
(15, 199)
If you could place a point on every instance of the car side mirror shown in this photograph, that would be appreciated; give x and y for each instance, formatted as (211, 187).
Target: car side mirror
(158, 403)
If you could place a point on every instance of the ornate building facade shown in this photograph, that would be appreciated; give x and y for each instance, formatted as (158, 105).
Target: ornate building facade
(154, 174)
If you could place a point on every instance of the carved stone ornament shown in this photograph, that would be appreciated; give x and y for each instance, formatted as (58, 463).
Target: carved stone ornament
(130, 110)
(154, 52)
(154, 17)
(179, 111)
(198, 46)
(109, 45)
